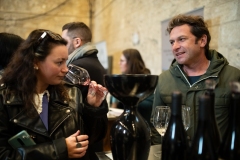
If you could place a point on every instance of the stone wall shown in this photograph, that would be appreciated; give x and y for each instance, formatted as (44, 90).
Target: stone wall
(23, 16)
(115, 21)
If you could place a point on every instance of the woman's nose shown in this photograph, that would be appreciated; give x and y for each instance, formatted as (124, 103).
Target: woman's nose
(65, 69)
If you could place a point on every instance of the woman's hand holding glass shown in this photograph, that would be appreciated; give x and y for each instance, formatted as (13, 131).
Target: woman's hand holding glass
(96, 94)
(80, 76)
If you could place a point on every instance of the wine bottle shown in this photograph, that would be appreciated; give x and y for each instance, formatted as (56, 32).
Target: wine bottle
(203, 147)
(214, 130)
(174, 143)
(230, 146)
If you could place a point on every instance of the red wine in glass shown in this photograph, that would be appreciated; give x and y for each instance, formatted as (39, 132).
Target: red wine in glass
(80, 76)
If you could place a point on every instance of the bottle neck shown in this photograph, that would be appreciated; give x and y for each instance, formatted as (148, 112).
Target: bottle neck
(234, 118)
(211, 94)
(204, 108)
(176, 107)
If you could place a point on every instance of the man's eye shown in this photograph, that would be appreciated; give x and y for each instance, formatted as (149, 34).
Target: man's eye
(182, 39)
(171, 42)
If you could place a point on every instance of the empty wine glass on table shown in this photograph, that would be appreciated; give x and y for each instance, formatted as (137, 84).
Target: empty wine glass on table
(79, 76)
(161, 118)
(186, 116)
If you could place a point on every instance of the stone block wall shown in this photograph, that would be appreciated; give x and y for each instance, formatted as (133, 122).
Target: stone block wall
(115, 21)
(22, 16)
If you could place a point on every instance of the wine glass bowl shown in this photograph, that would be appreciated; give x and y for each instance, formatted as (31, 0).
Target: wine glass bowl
(161, 118)
(78, 75)
(186, 117)
(162, 115)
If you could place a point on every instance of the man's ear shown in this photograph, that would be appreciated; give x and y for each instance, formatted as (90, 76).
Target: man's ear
(77, 42)
(203, 40)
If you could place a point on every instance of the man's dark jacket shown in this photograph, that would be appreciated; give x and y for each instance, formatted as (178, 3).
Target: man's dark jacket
(86, 57)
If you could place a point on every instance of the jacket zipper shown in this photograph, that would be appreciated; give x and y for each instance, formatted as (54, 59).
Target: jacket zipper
(59, 124)
(197, 81)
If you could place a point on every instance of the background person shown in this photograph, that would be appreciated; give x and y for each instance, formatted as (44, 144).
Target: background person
(33, 97)
(193, 64)
(131, 62)
(8, 45)
(83, 53)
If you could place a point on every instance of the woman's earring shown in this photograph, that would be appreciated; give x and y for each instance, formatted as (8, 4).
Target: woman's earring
(35, 67)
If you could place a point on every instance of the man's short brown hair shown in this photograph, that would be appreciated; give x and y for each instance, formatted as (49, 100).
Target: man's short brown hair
(78, 29)
(196, 23)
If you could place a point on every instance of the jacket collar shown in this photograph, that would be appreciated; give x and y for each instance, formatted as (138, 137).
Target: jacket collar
(84, 50)
(34, 123)
(59, 108)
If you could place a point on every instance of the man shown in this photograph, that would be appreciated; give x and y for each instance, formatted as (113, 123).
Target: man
(83, 54)
(193, 64)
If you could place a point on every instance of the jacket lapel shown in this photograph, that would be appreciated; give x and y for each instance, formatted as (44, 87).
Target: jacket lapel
(33, 123)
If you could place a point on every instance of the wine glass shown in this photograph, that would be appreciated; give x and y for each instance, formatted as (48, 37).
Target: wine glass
(80, 76)
(161, 118)
(186, 116)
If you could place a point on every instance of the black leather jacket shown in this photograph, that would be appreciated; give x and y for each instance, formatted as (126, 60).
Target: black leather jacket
(64, 120)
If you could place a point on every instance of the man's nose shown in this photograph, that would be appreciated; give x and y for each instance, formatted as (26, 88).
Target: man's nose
(175, 46)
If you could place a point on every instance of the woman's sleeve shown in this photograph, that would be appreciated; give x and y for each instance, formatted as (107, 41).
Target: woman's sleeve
(95, 121)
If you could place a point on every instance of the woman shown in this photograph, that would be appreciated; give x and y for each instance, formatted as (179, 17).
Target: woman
(34, 98)
(131, 62)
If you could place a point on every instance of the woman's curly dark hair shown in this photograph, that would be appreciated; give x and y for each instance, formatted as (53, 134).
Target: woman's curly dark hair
(20, 75)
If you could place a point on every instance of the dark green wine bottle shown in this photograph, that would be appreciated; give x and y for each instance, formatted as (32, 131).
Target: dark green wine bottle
(214, 133)
(230, 146)
(203, 147)
(174, 143)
